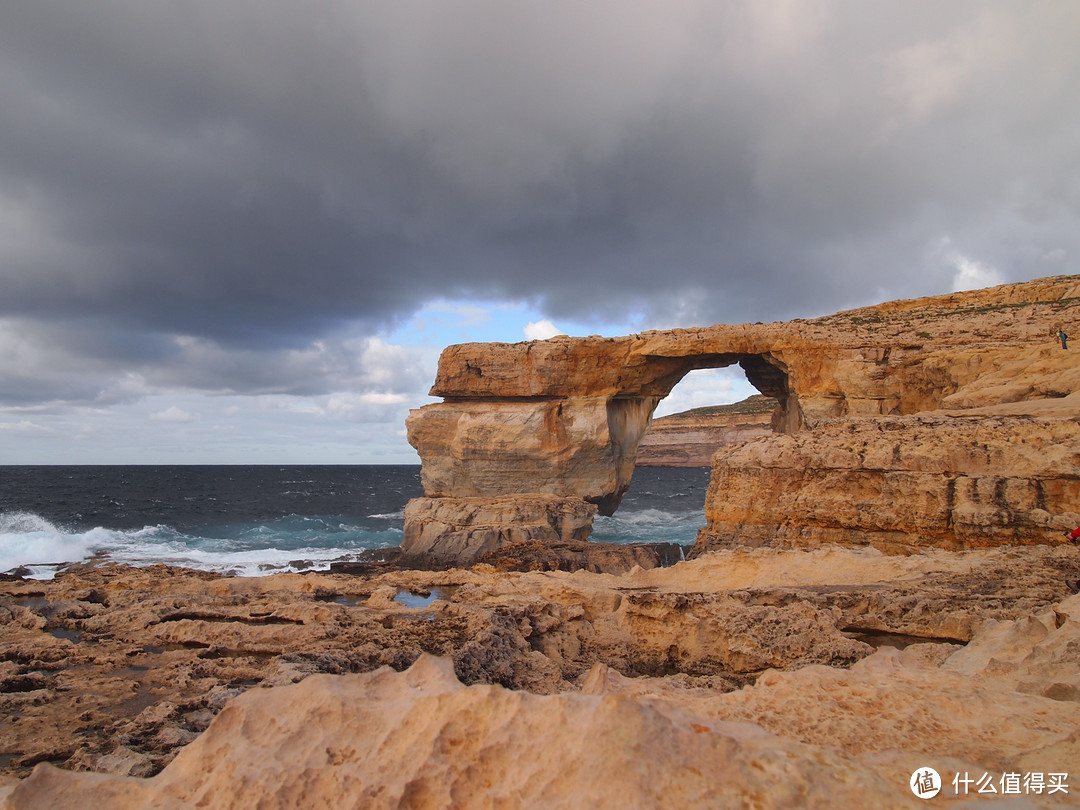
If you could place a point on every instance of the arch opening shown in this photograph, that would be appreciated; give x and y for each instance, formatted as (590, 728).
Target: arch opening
(764, 372)
(629, 413)
(690, 438)
(726, 408)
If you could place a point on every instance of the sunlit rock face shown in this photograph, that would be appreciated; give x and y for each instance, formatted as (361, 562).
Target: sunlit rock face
(580, 447)
(563, 417)
(949, 480)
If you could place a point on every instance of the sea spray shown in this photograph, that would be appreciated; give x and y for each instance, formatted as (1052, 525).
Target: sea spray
(27, 539)
(291, 543)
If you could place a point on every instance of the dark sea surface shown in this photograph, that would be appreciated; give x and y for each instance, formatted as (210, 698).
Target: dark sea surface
(261, 519)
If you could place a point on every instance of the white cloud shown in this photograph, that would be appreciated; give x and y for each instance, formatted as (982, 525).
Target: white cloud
(371, 406)
(713, 386)
(973, 275)
(171, 414)
(934, 72)
(23, 426)
(541, 330)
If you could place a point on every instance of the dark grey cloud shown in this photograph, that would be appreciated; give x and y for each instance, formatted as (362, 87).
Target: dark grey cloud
(195, 193)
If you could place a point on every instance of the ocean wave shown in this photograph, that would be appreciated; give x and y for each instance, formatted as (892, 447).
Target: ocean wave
(654, 517)
(29, 540)
(648, 526)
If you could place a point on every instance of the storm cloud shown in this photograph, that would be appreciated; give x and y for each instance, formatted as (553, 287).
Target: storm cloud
(234, 196)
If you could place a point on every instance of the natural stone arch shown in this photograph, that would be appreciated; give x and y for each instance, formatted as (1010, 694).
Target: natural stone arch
(564, 417)
(531, 438)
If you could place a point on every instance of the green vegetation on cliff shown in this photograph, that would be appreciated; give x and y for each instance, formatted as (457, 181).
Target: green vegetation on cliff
(758, 403)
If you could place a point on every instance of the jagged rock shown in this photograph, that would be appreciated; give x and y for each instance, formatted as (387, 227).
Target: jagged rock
(419, 738)
(813, 737)
(172, 647)
(571, 555)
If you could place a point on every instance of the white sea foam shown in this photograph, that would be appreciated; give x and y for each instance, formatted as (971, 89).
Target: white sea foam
(648, 526)
(649, 517)
(31, 541)
(256, 548)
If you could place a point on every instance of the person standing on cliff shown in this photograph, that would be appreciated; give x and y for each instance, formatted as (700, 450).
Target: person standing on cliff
(1064, 338)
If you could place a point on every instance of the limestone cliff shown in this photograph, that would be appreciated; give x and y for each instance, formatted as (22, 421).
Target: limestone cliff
(951, 480)
(563, 417)
(691, 438)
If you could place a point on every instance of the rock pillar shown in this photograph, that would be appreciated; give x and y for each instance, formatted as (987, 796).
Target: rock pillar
(460, 531)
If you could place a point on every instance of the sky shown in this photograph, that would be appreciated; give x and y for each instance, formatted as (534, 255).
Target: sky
(241, 232)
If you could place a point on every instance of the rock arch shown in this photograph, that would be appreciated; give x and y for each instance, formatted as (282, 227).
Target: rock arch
(532, 439)
(548, 418)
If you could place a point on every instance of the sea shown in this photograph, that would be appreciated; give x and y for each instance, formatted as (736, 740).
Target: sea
(264, 519)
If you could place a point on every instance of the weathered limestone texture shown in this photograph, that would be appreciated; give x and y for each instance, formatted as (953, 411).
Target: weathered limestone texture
(116, 670)
(563, 417)
(952, 481)
(462, 530)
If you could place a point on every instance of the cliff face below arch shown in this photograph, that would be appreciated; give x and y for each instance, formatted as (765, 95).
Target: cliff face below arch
(947, 421)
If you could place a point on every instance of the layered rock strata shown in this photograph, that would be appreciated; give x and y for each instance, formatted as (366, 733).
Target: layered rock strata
(951, 480)
(526, 532)
(562, 418)
(462, 530)
(691, 438)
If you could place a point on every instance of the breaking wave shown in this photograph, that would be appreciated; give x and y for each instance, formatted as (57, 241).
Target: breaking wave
(290, 543)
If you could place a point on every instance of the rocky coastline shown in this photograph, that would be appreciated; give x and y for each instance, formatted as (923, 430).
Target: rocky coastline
(836, 660)
(882, 589)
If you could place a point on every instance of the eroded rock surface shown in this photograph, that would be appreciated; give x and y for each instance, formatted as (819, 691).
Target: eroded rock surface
(947, 479)
(451, 732)
(463, 530)
(115, 669)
